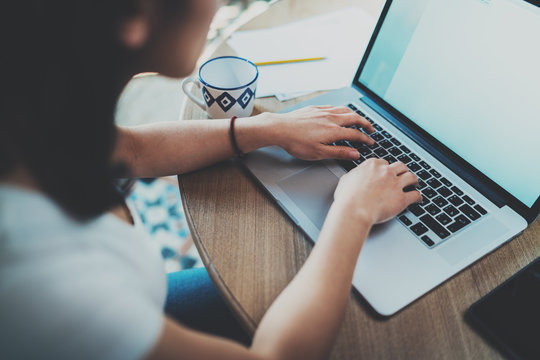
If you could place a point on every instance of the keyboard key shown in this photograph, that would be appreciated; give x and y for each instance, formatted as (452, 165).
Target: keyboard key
(386, 134)
(419, 229)
(351, 106)
(435, 226)
(404, 158)
(427, 240)
(443, 219)
(415, 157)
(468, 200)
(364, 151)
(414, 167)
(405, 220)
(371, 156)
(470, 212)
(457, 190)
(455, 227)
(423, 174)
(376, 136)
(359, 112)
(369, 119)
(435, 173)
(390, 159)
(405, 149)
(374, 146)
(360, 160)
(425, 201)
(446, 182)
(480, 209)
(425, 165)
(380, 152)
(377, 127)
(440, 202)
(358, 145)
(432, 209)
(450, 210)
(395, 151)
(429, 192)
(416, 209)
(463, 220)
(434, 183)
(386, 144)
(421, 184)
(395, 141)
(444, 191)
(455, 200)
(460, 223)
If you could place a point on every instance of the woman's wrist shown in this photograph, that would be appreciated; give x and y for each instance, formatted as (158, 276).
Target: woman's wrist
(257, 131)
(354, 212)
(346, 229)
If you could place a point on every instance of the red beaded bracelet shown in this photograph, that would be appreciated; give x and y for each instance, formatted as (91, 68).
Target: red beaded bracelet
(233, 138)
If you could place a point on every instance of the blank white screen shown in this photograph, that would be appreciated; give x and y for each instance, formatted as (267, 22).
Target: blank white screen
(470, 76)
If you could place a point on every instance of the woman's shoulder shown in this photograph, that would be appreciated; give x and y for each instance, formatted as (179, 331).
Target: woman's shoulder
(31, 224)
(37, 237)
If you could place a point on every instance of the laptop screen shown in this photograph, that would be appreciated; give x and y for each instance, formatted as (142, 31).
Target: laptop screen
(468, 73)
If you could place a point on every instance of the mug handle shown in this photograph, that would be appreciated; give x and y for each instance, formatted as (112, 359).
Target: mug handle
(193, 98)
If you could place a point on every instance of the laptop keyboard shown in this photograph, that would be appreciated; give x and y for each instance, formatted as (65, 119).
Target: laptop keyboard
(445, 209)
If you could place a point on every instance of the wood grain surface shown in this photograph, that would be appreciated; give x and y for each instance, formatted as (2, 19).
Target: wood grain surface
(252, 250)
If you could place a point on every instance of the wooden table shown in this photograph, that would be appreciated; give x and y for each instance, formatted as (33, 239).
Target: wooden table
(252, 250)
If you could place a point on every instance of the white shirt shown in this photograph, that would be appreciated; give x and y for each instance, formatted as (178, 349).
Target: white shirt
(71, 290)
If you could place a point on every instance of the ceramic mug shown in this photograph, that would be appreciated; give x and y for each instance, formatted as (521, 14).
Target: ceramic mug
(228, 86)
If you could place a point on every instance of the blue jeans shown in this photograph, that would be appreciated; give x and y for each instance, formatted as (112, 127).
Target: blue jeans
(193, 301)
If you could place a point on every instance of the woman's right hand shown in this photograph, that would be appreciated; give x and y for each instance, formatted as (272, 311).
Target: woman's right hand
(374, 190)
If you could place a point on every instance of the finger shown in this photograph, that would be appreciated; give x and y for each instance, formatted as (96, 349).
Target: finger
(339, 152)
(375, 162)
(408, 179)
(399, 168)
(354, 136)
(322, 106)
(340, 110)
(412, 197)
(351, 118)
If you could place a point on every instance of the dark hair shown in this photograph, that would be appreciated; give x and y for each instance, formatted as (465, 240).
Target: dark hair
(62, 66)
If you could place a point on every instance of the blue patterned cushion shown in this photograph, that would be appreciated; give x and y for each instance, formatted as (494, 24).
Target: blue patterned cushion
(159, 206)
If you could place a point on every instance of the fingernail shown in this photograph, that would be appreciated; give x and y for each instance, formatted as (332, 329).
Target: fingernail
(354, 154)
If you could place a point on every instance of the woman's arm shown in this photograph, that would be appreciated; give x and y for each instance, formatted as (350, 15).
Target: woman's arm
(171, 148)
(303, 321)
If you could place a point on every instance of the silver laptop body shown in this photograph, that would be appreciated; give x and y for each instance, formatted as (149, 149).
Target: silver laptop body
(410, 255)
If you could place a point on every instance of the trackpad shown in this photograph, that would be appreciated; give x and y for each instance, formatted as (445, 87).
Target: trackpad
(312, 190)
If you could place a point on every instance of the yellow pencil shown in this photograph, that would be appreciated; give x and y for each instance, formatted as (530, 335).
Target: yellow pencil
(277, 62)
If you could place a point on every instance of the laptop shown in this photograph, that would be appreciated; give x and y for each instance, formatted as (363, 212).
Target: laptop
(453, 90)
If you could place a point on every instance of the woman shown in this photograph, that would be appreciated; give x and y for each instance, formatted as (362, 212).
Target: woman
(76, 280)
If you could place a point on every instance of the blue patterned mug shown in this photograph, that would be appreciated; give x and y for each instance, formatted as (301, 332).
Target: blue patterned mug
(228, 86)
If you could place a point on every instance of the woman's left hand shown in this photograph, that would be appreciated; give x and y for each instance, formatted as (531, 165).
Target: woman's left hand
(308, 133)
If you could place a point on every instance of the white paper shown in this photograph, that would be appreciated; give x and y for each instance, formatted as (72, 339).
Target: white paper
(290, 96)
(341, 37)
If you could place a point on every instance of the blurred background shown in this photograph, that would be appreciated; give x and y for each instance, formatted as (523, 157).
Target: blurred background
(231, 10)
(151, 97)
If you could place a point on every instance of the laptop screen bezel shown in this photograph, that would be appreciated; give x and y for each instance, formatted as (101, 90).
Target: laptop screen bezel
(529, 213)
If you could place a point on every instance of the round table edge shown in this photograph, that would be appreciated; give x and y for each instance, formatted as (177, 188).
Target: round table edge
(246, 321)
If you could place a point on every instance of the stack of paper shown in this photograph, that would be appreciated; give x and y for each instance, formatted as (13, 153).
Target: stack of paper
(340, 37)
